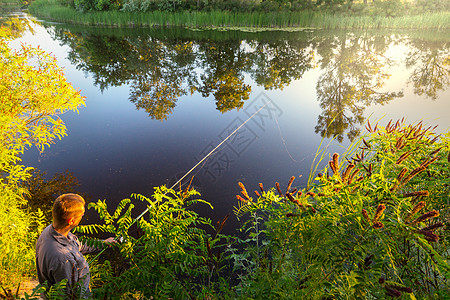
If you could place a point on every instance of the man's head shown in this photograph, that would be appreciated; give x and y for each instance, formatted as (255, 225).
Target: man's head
(68, 210)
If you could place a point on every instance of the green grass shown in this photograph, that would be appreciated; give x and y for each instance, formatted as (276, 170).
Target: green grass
(51, 11)
(15, 3)
(11, 2)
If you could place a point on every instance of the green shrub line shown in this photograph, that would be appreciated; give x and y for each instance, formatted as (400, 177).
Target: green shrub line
(290, 20)
(10, 4)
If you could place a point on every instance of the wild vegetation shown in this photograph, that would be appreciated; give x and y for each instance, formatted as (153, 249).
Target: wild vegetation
(264, 14)
(371, 225)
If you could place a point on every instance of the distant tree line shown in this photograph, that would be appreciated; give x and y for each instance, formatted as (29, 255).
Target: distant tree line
(382, 7)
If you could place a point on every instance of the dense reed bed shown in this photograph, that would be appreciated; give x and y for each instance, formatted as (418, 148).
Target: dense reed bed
(7, 4)
(224, 19)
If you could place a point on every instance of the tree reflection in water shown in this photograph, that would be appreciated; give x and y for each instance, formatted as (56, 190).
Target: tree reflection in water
(354, 72)
(16, 26)
(42, 191)
(431, 66)
(161, 66)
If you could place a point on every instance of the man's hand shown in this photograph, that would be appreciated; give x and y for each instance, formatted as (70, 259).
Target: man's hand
(110, 241)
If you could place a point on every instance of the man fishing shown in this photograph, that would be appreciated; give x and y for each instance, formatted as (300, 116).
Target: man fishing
(59, 253)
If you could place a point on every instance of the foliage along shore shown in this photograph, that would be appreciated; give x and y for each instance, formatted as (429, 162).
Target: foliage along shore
(286, 20)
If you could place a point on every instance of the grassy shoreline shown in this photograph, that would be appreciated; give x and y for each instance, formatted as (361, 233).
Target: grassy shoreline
(51, 11)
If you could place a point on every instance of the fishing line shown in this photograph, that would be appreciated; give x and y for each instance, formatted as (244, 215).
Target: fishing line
(204, 158)
(284, 142)
(120, 239)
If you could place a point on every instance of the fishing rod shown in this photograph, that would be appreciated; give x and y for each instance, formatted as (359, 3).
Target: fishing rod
(120, 239)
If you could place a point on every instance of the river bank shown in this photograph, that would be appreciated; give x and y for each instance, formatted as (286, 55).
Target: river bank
(282, 20)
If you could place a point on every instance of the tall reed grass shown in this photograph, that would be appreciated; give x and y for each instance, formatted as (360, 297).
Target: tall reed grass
(10, 2)
(224, 19)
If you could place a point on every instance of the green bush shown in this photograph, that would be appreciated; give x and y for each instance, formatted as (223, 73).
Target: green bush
(14, 3)
(389, 8)
(170, 257)
(85, 5)
(97, 5)
(68, 3)
(134, 6)
(101, 5)
(432, 5)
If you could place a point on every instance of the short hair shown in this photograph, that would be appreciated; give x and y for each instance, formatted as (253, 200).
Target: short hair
(65, 207)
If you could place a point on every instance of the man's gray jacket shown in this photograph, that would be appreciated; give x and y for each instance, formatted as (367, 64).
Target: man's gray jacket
(59, 257)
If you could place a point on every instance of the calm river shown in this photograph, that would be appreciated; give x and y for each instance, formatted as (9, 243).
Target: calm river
(158, 100)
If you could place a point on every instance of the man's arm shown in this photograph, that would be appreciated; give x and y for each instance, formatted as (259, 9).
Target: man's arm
(85, 249)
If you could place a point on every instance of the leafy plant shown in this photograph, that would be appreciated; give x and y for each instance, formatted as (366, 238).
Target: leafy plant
(168, 256)
(370, 227)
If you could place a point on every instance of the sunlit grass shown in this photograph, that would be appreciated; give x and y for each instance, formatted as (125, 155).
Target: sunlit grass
(224, 19)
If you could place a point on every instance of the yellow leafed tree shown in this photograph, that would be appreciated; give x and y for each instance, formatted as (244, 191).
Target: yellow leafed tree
(33, 92)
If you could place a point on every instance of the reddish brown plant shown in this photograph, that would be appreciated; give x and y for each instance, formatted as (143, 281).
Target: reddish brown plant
(261, 187)
(403, 157)
(312, 194)
(346, 173)
(366, 216)
(241, 199)
(291, 180)
(429, 236)
(433, 227)
(277, 184)
(426, 216)
(378, 225)
(380, 209)
(417, 194)
(415, 209)
(352, 176)
(244, 191)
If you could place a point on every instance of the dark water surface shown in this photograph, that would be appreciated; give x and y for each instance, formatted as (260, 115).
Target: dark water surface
(158, 100)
